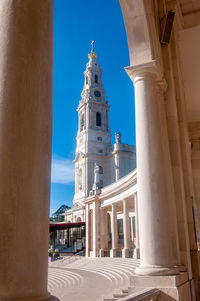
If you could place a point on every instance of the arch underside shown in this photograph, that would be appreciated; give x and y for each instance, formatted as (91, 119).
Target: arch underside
(141, 31)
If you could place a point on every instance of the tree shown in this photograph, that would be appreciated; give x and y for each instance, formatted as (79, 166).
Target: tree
(58, 215)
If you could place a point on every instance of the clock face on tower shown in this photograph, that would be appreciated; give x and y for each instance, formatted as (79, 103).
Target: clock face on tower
(97, 93)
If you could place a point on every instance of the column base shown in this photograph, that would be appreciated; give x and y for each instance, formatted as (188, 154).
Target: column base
(113, 253)
(176, 286)
(181, 268)
(136, 253)
(53, 298)
(102, 253)
(156, 271)
(93, 254)
(125, 253)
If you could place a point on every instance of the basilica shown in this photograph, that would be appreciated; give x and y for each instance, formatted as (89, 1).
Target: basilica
(99, 166)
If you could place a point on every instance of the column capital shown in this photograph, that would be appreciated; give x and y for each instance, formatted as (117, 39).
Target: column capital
(151, 69)
(125, 202)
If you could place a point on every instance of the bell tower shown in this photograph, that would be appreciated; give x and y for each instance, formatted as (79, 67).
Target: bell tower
(93, 137)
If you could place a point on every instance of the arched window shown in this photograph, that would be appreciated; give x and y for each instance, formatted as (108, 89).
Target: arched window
(96, 79)
(82, 122)
(86, 80)
(98, 119)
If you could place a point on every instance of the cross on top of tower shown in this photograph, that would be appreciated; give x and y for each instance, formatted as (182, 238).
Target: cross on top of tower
(92, 43)
(92, 54)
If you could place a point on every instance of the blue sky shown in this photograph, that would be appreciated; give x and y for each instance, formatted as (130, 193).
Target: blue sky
(76, 23)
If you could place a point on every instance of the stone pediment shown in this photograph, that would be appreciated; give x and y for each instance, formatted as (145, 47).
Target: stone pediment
(77, 206)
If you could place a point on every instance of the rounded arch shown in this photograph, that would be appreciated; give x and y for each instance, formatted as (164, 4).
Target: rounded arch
(78, 219)
(141, 31)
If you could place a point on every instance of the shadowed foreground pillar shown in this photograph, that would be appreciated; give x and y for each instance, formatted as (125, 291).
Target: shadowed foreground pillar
(26, 33)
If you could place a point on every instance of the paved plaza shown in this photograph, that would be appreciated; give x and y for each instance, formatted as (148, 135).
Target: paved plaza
(89, 279)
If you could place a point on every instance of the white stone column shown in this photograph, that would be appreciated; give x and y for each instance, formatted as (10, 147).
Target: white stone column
(132, 230)
(114, 231)
(96, 234)
(106, 229)
(103, 231)
(126, 228)
(137, 238)
(26, 43)
(154, 204)
(87, 231)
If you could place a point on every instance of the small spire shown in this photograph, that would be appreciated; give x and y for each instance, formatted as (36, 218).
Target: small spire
(92, 54)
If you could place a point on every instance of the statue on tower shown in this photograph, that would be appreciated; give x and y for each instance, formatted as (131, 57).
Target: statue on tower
(96, 177)
(118, 137)
(96, 174)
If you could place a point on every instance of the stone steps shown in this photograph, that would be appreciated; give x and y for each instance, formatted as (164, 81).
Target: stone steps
(58, 279)
(122, 295)
(71, 275)
(116, 270)
(117, 296)
(141, 295)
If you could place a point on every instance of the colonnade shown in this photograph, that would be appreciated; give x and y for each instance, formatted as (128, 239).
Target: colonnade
(104, 225)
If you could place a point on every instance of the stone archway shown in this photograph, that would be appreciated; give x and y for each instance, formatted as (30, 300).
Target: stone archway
(141, 31)
(158, 113)
(147, 75)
